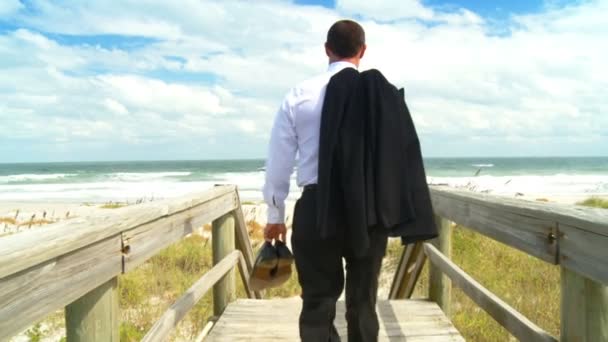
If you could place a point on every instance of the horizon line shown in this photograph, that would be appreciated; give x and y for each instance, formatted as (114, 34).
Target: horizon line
(264, 158)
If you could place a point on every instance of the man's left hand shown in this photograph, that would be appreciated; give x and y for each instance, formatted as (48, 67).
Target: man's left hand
(275, 231)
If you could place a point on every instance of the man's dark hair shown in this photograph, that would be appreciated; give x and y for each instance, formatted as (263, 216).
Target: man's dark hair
(345, 38)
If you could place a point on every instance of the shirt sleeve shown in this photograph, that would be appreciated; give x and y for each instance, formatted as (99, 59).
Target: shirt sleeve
(280, 162)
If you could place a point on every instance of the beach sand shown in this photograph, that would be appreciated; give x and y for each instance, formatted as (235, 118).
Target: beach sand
(19, 216)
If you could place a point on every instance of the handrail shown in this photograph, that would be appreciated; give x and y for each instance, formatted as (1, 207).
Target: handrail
(59, 265)
(572, 236)
(503, 313)
(576, 238)
(57, 239)
(164, 326)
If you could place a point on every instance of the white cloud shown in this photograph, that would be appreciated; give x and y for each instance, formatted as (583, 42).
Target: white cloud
(9, 7)
(546, 79)
(115, 106)
(386, 9)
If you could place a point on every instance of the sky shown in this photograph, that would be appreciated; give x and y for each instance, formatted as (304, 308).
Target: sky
(196, 79)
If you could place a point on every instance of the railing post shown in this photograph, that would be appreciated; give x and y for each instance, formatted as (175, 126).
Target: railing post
(222, 238)
(440, 286)
(94, 316)
(584, 309)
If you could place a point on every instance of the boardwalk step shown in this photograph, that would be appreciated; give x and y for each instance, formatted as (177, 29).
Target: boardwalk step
(277, 320)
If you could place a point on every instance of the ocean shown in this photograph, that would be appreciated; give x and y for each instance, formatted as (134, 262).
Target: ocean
(149, 180)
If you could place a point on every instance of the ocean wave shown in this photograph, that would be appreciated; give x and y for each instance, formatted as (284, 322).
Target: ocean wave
(537, 184)
(483, 165)
(100, 191)
(144, 176)
(128, 186)
(34, 177)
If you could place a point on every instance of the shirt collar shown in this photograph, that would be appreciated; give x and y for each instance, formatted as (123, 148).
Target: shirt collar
(339, 65)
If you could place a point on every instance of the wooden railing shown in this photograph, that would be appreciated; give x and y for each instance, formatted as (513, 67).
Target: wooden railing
(575, 238)
(75, 264)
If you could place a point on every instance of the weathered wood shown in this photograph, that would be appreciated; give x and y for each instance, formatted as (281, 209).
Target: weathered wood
(440, 286)
(169, 320)
(408, 271)
(244, 272)
(242, 239)
(204, 332)
(224, 291)
(30, 295)
(508, 224)
(414, 271)
(58, 239)
(94, 316)
(584, 252)
(503, 313)
(277, 320)
(584, 308)
(147, 240)
(585, 218)
(397, 282)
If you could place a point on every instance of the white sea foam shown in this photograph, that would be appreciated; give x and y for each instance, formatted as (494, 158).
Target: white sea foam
(34, 177)
(145, 176)
(132, 186)
(553, 184)
(483, 165)
(100, 191)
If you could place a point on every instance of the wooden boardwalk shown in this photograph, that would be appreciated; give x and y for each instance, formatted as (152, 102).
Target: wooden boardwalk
(277, 320)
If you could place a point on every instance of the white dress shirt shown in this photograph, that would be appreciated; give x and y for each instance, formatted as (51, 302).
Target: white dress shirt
(296, 131)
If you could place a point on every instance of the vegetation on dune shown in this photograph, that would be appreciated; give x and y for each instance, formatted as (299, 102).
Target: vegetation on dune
(148, 291)
(596, 202)
(528, 284)
(113, 205)
(8, 220)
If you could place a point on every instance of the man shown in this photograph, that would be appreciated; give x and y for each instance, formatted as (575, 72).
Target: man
(319, 261)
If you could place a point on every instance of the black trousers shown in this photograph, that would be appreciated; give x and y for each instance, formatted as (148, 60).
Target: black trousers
(321, 275)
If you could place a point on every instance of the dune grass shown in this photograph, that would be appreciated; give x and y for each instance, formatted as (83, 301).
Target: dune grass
(528, 284)
(113, 205)
(147, 291)
(8, 220)
(596, 202)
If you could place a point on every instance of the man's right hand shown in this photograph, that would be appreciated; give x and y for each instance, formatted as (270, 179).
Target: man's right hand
(275, 231)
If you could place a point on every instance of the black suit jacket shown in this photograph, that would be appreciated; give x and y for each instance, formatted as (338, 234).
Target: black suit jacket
(371, 173)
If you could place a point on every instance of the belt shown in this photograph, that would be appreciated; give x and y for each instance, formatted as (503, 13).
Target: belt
(310, 187)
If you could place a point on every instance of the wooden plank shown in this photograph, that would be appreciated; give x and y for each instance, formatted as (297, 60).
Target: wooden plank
(242, 239)
(397, 284)
(169, 320)
(584, 252)
(509, 224)
(584, 308)
(147, 240)
(95, 316)
(440, 286)
(200, 337)
(224, 291)
(54, 240)
(400, 320)
(585, 218)
(32, 294)
(503, 313)
(408, 271)
(244, 272)
(414, 271)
